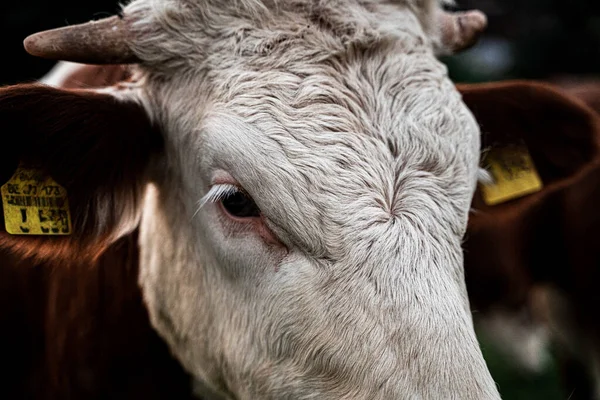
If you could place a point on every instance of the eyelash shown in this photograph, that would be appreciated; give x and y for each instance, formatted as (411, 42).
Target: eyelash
(218, 193)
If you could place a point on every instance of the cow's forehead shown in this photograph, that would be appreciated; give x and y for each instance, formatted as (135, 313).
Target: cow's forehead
(347, 148)
(202, 33)
(363, 67)
(365, 122)
(350, 103)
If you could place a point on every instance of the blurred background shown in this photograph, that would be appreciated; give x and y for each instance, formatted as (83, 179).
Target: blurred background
(556, 40)
(536, 39)
(533, 39)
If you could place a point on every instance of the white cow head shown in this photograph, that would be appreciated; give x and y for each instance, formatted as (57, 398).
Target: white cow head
(303, 213)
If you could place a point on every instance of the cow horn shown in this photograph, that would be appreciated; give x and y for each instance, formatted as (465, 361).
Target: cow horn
(95, 42)
(460, 30)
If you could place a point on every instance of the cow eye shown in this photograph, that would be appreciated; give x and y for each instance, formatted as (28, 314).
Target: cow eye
(240, 205)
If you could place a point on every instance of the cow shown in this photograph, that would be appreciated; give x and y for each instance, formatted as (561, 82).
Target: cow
(78, 329)
(531, 263)
(497, 314)
(70, 75)
(292, 179)
(117, 167)
(585, 89)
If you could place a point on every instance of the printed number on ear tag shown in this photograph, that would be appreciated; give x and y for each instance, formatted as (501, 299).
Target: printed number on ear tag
(35, 204)
(513, 172)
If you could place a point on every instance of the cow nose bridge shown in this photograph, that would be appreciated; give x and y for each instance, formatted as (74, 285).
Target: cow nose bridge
(401, 297)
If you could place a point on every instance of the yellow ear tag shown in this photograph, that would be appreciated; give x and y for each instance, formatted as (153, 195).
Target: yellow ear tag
(513, 172)
(34, 204)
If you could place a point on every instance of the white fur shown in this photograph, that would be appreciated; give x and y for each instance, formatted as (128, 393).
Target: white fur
(339, 121)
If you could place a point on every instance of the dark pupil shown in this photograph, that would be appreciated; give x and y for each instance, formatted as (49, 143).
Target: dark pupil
(240, 205)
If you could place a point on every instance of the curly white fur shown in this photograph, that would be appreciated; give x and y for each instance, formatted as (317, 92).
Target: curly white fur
(337, 118)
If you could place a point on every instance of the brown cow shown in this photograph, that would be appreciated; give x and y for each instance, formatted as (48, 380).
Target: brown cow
(74, 323)
(532, 263)
(586, 90)
(77, 329)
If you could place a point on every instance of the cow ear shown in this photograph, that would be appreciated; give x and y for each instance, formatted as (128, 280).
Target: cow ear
(559, 131)
(587, 91)
(69, 75)
(511, 243)
(561, 137)
(93, 145)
